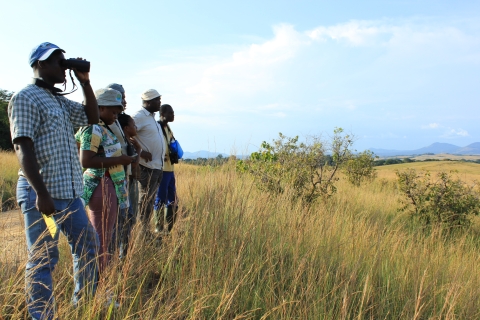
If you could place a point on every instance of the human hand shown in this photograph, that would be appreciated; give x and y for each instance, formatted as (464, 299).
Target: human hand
(81, 76)
(135, 143)
(146, 155)
(125, 160)
(45, 204)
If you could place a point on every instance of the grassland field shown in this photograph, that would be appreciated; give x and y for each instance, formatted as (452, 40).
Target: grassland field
(8, 179)
(440, 156)
(237, 253)
(466, 171)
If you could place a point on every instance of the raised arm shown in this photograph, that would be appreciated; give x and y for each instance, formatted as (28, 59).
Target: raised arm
(91, 107)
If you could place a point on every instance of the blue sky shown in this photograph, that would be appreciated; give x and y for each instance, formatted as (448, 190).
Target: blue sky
(396, 74)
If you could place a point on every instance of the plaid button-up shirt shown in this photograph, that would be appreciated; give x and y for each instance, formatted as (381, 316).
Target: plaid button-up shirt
(50, 122)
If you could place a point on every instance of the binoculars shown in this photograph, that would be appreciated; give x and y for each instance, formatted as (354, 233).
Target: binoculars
(79, 65)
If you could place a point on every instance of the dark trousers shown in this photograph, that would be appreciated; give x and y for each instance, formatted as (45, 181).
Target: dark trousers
(148, 184)
(165, 203)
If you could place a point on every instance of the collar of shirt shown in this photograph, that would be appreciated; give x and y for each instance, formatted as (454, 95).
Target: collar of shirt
(148, 113)
(42, 84)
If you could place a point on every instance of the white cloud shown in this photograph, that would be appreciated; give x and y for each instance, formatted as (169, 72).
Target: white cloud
(250, 70)
(339, 75)
(421, 39)
(269, 106)
(451, 133)
(433, 125)
(351, 106)
(355, 33)
(209, 122)
(279, 114)
(219, 83)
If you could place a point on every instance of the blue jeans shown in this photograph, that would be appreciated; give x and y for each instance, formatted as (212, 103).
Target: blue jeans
(43, 251)
(166, 191)
(165, 201)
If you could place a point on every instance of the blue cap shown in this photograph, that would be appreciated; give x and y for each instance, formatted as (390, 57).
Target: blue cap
(42, 52)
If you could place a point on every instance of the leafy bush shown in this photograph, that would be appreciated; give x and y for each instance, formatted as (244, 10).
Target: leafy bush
(445, 201)
(360, 168)
(307, 168)
(5, 138)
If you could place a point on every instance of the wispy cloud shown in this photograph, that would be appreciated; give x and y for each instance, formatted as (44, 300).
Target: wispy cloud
(448, 132)
(354, 32)
(270, 106)
(250, 70)
(453, 133)
(331, 75)
(433, 125)
(279, 114)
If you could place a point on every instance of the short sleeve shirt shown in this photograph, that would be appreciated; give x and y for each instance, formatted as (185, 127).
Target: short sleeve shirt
(150, 138)
(49, 121)
(168, 166)
(104, 143)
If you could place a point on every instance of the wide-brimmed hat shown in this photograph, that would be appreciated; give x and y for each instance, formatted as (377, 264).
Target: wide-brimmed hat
(108, 97)
(116, 86)
(150, 94)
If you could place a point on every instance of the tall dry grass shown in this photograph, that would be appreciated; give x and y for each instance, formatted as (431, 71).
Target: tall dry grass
(236, 253)
(466, 171)
(8, 179)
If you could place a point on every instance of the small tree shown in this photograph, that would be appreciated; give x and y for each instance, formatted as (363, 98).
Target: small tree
(446, 201)
(308, 168)
(5, 137)
(360, 168)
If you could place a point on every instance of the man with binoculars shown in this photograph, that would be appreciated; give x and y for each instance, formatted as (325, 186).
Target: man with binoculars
(42, 124)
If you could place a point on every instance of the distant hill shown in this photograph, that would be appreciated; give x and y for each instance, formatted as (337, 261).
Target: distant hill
(473, 148)
(202, 154)
(435, 148)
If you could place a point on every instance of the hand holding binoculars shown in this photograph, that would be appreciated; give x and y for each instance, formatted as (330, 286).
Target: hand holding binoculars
(78, 64)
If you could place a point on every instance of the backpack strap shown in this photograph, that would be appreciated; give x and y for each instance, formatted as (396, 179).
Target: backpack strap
(171, 133)
(121, 131)
(164, 133)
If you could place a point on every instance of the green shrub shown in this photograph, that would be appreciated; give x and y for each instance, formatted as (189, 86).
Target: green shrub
(445, 201)
(5, 138)
(308, 168)
(360, 168)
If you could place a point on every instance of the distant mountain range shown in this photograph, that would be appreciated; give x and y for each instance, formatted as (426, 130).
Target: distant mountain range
(435, 148)
(202, 154)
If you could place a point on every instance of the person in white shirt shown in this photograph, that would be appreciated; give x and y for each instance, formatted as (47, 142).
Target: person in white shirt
(150, 138)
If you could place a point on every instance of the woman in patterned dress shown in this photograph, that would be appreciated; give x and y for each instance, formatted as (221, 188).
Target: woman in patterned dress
(104, 177)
